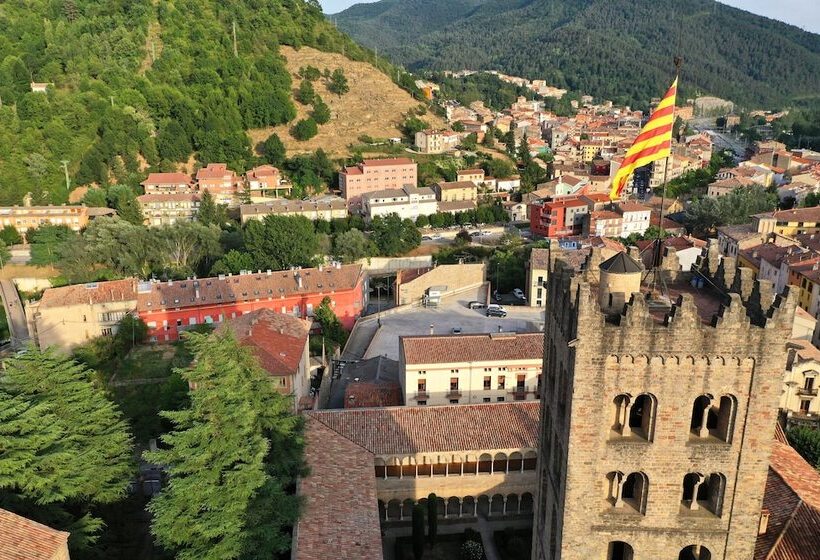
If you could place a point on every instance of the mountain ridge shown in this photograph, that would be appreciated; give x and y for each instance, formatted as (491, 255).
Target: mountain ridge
(617, 49)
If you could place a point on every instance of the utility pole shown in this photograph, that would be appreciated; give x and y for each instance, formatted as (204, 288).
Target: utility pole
(235, 51)
(112, 100)
(67, 180)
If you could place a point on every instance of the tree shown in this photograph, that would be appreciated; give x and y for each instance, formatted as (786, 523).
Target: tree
(75, 457)
(95, 198)
(5, 254)
(806, 441)
(131, 331)
(232, 262)
(305, 93)
(811, 200)
(10, 236)
(422, 221)
(463, 237)
(499, 168)
(458, 126)
(352, 245)
(232, 456)
(210, 213)
(123, 199)
(321, 112)
(412, 125)
(332, 329)
(418, 531)
(273, 150)
(432, 518)
(706, 214)
(48, 242)
(470, 141)
(394, 236)
(279, 242)
(186, 248)
(305, 129)
(310, 73)
(338, 82)
(173, 143)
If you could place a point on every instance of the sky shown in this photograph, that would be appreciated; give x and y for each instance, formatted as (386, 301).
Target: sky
(802, 13)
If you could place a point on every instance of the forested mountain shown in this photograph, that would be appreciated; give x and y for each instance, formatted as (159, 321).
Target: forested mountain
(616, 49)
(139, 83)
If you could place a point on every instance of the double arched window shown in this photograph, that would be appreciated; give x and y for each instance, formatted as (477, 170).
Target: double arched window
(628, 491)
(703, 493)
(635, 416)
(713, 418)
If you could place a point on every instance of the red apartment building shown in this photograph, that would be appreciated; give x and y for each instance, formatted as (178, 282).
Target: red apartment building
(560, 217)
(169, 307)
(376, 175)
(221, 182)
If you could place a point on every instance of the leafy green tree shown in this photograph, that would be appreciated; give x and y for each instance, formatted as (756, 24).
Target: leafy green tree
(418, 531)
(470, 141)
(112, 243)
(332, 329)
(123, 199)
(321, 112)
(499, 168)
(305, 93)
(338, 82)
(305, 129)
(185, 248)
(173, 143)
(273, 150)
(458, 126)
(352, 245)
(10, 236)
(706, 214)
(234, 262)
(806, 441)
(131, 331)
(279, 242)
(48, 243)
(5, 254)
(412, 125)
(232, 456)
(394, 236)
(74, 457)
(422, 221)
(310, 73)
(811, 200)
(95, 198)
(432, 518)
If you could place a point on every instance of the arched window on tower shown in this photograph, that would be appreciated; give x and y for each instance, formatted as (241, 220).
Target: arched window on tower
(713, 419)
(703, 493)
(619, 550)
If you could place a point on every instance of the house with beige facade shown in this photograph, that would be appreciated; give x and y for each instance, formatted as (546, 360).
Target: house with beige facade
(470, 368)
(265, 182)
(221, 182)
(407, 202)
(474, 175)
(436, 141)
(537, 269)
(167, 183)
(455, 191)
(165, 209)
(322, 207)
(26, 217)
(69, 316)
(374, 175)
(801, 382)
(280, 342)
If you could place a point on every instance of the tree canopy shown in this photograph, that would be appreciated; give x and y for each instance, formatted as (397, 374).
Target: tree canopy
(279, 242)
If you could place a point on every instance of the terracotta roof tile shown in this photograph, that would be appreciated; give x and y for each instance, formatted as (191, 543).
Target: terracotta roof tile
(93, 292)
(23, 539)
(539, 259)
(434, 349)
(167, 179)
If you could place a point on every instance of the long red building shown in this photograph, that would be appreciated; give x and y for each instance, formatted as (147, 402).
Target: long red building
(169, 307)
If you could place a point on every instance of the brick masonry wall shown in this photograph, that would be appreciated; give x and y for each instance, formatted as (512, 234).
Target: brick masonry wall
(676, 364)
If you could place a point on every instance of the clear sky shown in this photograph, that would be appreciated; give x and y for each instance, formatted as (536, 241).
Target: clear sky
(802, 13)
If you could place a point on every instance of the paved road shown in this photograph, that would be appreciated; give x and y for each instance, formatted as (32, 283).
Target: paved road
(14, 312)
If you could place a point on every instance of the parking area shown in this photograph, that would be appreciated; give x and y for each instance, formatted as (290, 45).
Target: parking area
(452, 314)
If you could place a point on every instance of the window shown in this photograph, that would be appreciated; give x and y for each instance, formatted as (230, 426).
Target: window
(453, 401)
(179, 322)
(283, 381)
(619, 550)
(422, 385)
(454, 383)
(487, 382)
(422, 403)
(499, 399)
(703, 492)
(108, 331)
(486, 399)
(453, 371)
(500, 382)
(695, 552)
(805, 404)
(629, 492)
(713, 419)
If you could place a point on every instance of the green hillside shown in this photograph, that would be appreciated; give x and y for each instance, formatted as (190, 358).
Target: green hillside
(616, 49)
(141, 84)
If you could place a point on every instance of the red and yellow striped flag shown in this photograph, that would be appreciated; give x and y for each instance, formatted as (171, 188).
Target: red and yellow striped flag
(653, 143)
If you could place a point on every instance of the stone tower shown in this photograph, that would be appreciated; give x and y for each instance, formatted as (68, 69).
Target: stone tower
(656, 422)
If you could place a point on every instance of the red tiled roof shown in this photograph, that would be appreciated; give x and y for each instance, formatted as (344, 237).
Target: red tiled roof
(471, 172)
(93, 292)
(420, 429)
(792, 500)
(23, 539)
(434, 349)
(248, 287)
(446, 186)
(811, 214)
(167, 179)
(214, 171)
(340, 517)
(539, 259)
(372, 395)
(262, 171)
(278, 340)
(632, 207)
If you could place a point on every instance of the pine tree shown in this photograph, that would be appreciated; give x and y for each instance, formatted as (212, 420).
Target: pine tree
(232, 456)
(208, 212)
(64, 447)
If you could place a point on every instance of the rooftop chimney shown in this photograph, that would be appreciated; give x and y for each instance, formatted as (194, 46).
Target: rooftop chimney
(431, 328)
(299, 280)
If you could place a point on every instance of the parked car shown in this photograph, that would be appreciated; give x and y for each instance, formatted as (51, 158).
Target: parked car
(456, 330)
(436, 236)
(426, 238)
(476, 305)
(496, 311)
(518, 293)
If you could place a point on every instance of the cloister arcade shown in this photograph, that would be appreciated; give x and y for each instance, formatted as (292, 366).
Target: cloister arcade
(456, 465)
(496, 505)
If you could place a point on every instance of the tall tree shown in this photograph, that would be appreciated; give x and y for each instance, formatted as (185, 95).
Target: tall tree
(274, 150)
(75, 457)
(210, 213)
(352, 245)
(394, 236)
(232, 457)
(338, 82)
(279, 242)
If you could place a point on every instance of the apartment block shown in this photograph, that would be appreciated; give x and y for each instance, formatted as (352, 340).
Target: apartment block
(375, 175)
(221, 182)
(165, 209)
(406, 202)
(323, 207)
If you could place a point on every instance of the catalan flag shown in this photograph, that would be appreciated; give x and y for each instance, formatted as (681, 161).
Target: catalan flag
(653, 143)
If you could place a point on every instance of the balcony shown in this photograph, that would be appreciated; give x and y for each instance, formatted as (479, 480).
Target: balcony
(454, 394)
(422, 395)
(519, 392)
(807, 392)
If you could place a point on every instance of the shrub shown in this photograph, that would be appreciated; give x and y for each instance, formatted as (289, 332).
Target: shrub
(472, 550)
(305, 129)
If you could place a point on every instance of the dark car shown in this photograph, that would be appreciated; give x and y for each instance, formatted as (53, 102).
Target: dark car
(496, 312)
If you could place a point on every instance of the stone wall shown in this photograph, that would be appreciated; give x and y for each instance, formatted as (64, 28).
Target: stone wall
(455, 276)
